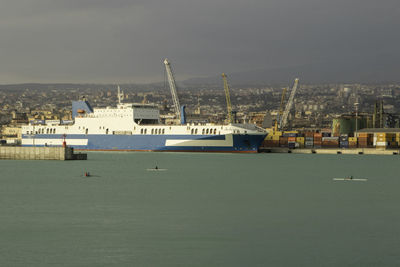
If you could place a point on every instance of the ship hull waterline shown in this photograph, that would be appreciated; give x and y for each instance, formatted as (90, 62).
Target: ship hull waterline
(230, 143)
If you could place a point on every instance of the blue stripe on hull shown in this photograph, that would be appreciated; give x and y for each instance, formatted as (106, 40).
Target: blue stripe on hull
(241, 143)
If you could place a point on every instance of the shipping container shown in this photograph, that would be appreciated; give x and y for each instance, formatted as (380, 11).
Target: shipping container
(381, 144)
(291, 145)
(330, 144)
(283, 141)
(309, 134)
(270, 143)
(353, 139)
(289, 134)
(393, 144)
(344, 144)
(336, 139)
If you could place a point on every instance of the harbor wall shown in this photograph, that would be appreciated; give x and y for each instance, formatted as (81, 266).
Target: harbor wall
(354, 151)
(39, 153)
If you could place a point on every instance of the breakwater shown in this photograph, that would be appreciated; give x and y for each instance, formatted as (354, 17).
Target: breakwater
(40, 153)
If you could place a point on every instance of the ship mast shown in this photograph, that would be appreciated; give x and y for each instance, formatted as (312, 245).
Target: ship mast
(120, 95)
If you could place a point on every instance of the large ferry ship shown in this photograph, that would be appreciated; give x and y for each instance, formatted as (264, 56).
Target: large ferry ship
(137, 127)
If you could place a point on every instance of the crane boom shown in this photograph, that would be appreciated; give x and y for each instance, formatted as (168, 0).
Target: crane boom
(172, 86)
(289, 104)
(228, 98)
(279, 115)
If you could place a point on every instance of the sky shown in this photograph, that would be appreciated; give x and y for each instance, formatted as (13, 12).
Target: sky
(125, 41)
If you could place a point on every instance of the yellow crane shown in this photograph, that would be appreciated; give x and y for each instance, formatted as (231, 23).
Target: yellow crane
(228, 98)
(279, 115)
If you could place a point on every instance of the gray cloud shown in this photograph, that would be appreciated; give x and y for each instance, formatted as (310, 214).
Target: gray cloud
(126, 41)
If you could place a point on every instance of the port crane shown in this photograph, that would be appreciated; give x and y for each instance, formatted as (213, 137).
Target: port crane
(280, 112)
(289, 105)
(228, 98)
(172, 86)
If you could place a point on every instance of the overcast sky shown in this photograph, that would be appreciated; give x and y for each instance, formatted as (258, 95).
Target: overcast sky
(125, 41)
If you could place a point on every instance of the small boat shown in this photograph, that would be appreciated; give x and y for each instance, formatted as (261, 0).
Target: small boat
(350, 178)
(156, 169)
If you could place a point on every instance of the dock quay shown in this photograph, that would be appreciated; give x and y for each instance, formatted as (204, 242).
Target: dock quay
(40, 153)
(345, 151)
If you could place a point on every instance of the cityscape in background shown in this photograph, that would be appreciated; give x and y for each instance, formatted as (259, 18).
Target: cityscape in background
(315, 107)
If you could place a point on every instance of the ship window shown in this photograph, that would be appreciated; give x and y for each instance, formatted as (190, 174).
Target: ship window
(141, 131)
(202, 132)
(152, 131)
(207, 131)
(106, 131)
(87, 131)
(195, 131)
(163, 131)
(215, 131)
(192, 131)
(145, 131)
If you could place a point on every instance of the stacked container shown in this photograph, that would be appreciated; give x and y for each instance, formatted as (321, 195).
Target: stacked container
(344, 141)
(352, 142)
(308, 139)
(381, 140)
(365, 140)
(330, 142)
(291, 142)
(317, 140)
(300, 141)
(283, 141)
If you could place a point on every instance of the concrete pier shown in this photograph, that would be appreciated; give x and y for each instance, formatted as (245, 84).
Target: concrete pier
(39, 153)
(348, 151)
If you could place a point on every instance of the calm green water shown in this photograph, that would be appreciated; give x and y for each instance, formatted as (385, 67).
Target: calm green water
(205, 210)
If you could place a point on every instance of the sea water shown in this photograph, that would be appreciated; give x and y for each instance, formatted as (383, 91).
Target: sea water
(203, 210)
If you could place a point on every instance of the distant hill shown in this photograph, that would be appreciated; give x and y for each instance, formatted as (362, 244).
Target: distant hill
(328, 73)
